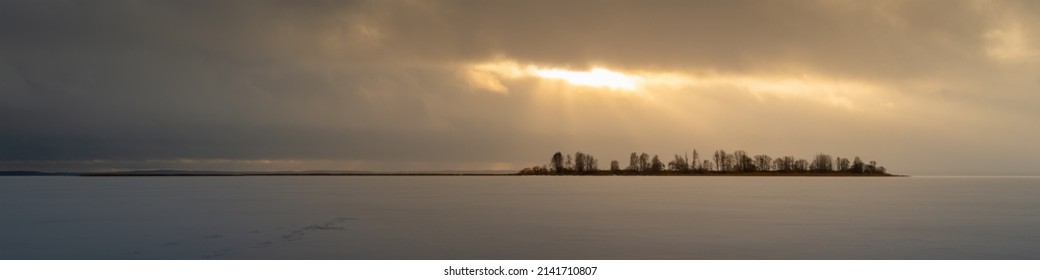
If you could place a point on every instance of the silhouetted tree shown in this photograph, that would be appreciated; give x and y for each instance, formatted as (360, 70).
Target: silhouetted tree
(763, 163)
(857, 165)
(656, 166)
(720, 158)
(742, 162)
(723, 161)
(644, 162)
(843, 164)
(536, 170)
(785, 164)
(579, 162)
(569, 165)
(801, 165)
(615, 167)
(822, 163)
(585, 163)
(695, 160)
(738, 160)
(557, 162)
(678, 164)
(633, 162)
(778, 164)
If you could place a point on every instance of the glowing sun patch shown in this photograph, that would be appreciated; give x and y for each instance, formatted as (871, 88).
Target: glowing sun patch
(597, 77)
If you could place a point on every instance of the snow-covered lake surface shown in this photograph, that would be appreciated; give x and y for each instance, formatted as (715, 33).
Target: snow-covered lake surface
(447, 217)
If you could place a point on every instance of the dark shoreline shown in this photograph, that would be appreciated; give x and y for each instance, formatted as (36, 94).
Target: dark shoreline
(486, 174)
(461, 173)
(288, 174)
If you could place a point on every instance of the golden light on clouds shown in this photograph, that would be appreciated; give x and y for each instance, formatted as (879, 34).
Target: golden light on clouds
(839, 93)
(492, 75)
(1011, 44)
(597, 77)
(497, 76)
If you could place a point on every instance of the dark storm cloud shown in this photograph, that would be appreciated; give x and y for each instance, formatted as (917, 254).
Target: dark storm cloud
(380, 80)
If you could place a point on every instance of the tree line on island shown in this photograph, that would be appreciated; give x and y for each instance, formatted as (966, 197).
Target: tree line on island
(720, 163)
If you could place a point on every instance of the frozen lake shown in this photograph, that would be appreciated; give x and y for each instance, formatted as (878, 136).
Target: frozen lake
(450, 217)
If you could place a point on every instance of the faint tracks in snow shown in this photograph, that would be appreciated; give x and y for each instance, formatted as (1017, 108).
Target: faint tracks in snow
(230, 243)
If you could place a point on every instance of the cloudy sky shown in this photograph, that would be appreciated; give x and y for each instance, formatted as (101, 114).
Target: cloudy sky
(923, 87)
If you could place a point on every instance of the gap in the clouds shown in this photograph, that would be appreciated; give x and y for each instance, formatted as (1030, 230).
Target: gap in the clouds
(597, 77)
(493, 75)
(506, 75)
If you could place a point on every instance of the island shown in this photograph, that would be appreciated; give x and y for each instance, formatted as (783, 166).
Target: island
(721, 163)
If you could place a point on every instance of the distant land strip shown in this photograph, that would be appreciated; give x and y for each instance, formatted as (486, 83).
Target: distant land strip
(147, 173)
(290, 174)
(721, 163)
(600, 173)
(779, 174)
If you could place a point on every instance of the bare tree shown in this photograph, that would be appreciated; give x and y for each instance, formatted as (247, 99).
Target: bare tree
(579, 162)
(785, 164)
(822, 163)
(644, 162)
(694, 161)
(678, 164)
(742, 162)
(656, 166)
(763, 163)
(557, 162)
(857, 165)
(720, 159)
(801, 165)
(615, 167)
(738, 160)
(843, 164)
